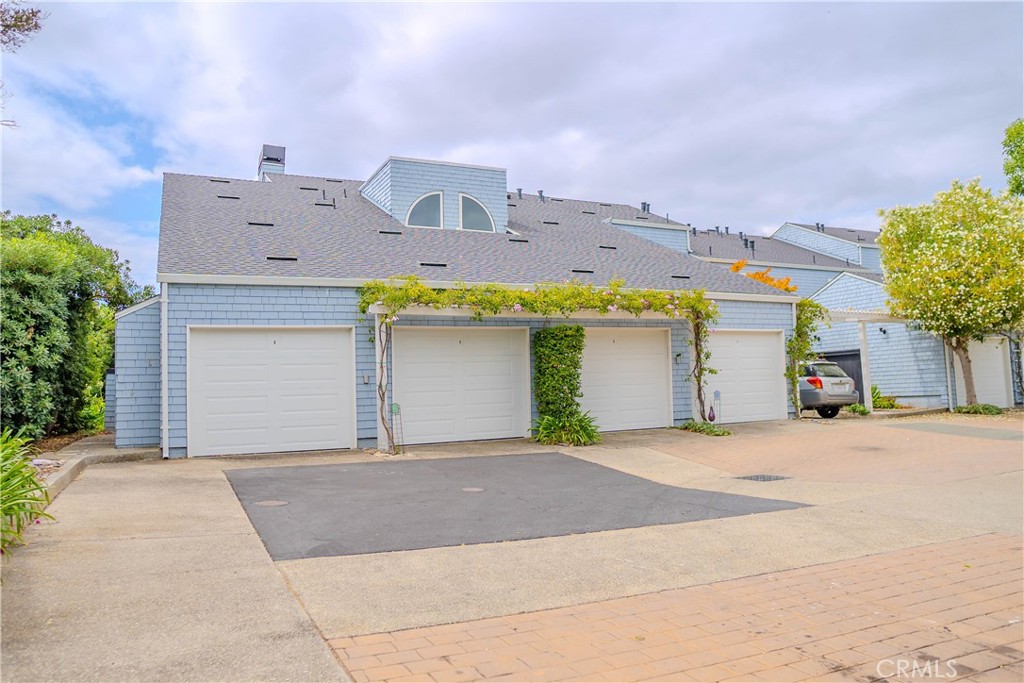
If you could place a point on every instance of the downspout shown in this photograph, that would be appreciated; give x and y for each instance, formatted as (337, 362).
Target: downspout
(165, 419)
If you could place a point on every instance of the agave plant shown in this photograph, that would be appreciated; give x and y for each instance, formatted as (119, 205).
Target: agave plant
(22, 496)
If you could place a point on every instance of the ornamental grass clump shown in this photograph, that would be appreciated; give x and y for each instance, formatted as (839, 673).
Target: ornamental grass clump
(23, 496)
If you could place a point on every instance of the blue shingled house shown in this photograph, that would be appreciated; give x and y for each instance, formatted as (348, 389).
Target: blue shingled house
(841, 269)
(255, 344)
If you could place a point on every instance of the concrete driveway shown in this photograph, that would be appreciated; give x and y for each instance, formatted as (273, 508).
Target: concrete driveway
(153, 570)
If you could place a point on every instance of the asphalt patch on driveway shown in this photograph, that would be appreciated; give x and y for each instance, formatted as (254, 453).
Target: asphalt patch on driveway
(331, 510)
(962, 430)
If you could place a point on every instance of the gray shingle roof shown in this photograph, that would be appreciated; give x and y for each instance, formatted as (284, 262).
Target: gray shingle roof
(846, 234)
(212, 227)
(713, 245)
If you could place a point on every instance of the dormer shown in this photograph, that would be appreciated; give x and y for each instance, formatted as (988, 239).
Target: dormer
(440, 195)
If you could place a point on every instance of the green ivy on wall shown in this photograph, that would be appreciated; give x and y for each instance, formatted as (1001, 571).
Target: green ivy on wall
(557, 386)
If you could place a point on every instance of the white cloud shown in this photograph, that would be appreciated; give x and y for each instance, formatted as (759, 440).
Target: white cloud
(746, 115)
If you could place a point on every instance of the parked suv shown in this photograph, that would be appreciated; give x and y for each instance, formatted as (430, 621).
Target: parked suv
(824, 387)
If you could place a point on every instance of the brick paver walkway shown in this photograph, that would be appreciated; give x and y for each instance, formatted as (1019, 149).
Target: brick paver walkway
(953, 610)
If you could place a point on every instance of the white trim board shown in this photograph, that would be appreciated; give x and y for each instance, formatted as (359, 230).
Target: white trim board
(137, 307)
(842, 275)
(287, 281)
(841, 267)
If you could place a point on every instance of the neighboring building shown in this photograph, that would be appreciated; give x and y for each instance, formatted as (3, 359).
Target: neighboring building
(255, 343)
(841, 269)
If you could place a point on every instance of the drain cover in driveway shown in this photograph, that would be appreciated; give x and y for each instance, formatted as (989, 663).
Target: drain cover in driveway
(386, 506)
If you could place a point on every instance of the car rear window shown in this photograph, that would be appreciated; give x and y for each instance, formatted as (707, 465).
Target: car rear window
(829, 370)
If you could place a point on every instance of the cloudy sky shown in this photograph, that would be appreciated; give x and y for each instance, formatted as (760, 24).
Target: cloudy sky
(745, 115)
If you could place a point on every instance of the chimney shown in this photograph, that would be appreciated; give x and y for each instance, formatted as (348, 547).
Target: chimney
(694, 231)
(746, 243)
(271, 161)
(519, 192)
(718, 230)
(540, 193)
(751, 247)
(741, 234)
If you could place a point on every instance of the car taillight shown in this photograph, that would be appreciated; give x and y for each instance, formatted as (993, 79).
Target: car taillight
(814, 382)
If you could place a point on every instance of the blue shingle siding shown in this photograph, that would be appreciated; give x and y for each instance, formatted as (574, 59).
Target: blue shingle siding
(906, 363)
(110, 402)
(807, 281)
(378, 188)
(673, 239)
(137, 381)
(278, 305)
(871, 258)
(819, 242)
(256, 306)
(410, 180)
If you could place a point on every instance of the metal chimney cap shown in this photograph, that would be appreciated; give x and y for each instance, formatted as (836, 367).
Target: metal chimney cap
(272, 153)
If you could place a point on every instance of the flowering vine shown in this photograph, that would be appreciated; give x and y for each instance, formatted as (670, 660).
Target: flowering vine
(396, 295)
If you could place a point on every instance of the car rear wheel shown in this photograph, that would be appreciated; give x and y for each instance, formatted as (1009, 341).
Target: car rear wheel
(828, 412)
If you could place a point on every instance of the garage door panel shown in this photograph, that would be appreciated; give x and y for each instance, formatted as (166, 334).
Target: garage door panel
(260, 390)
(990, 365)
(456, 385)
(750, 376)
(626, 378)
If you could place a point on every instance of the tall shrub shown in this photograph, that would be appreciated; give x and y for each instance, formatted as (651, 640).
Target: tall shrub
(558, 365)
(557, 386)
(58, 291)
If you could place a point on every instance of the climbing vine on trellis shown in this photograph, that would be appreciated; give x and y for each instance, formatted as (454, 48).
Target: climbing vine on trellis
(396, 295)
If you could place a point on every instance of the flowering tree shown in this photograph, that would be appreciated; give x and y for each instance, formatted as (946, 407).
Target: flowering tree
(1013, 157)
(956, 266)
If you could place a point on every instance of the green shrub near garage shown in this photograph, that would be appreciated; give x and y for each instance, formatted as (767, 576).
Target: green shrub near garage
(558, 385)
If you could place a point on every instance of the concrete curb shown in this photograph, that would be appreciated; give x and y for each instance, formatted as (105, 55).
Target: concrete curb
(92, 450)
(886, 414)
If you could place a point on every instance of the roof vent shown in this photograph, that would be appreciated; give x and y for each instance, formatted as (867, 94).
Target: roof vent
(752, 246)
(605, 246)
(330, 204)
(390, 232)
(693, 231)
(334, 180)
(282, 258)
(519, 192)
(746, 243)
(540, 193)
(641, 218)
(434, 265)
(219, 180)
(680, 277)
(271, 161)
(227, 196)
(592, 213)
(604, 204)
(550, 222)
(315, 189)
(513, 239)
(261, 225)
(727, 230)
(512, 205)
(581, 270)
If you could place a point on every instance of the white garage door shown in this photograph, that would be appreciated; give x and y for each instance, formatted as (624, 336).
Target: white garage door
(990, 364)
(265, 390)
(461, 384)
(750, 382)
(627, 378)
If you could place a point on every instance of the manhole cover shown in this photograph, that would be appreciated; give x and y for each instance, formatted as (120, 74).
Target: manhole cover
(763, 477)
(271, 503)
(472, 489)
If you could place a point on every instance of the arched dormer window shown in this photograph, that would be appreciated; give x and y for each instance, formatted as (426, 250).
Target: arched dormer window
(426, 212)
(473, 215)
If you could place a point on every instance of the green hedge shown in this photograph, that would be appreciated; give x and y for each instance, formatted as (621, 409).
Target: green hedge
(557, 386)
